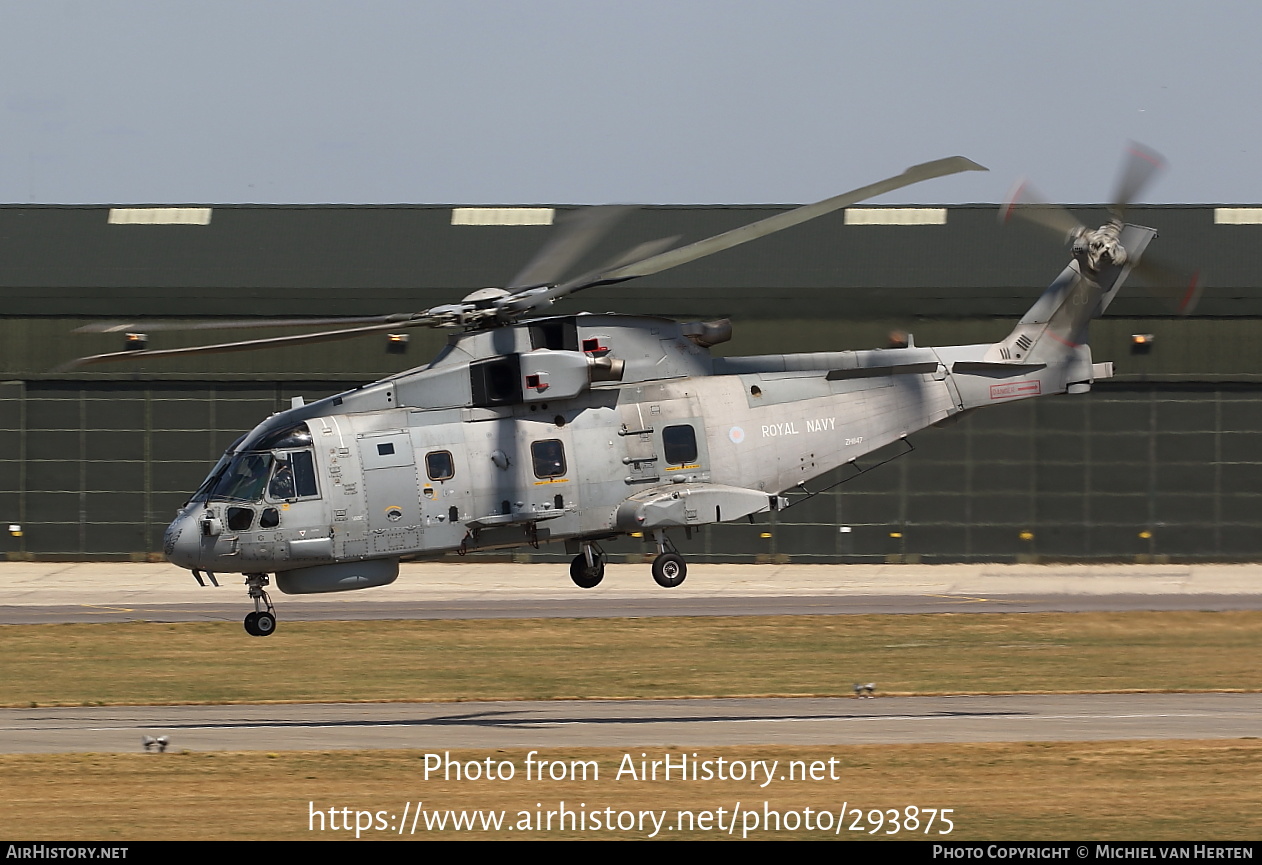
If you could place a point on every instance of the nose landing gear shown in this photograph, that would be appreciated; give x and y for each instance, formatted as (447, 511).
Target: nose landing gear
(261, 622)
(588, 567)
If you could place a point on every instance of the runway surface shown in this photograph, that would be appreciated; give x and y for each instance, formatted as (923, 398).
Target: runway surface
(636, 723)
(580, 608)
(95, 592)
(99, 592)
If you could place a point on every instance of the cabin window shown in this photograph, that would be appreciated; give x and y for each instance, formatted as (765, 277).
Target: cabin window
(680, 444)
(440, 466)
(270, 518)
(548, 458)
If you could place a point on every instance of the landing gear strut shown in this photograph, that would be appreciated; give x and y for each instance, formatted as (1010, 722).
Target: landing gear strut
(669, 568)
(261, 622)
(588, 567)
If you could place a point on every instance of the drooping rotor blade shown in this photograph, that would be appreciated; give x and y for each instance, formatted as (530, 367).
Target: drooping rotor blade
(1026, 202)
(232, 324)
(1141, 164)
(647, 249)
(525, 299)
(753, 231)
(575, 236)
(248, 345)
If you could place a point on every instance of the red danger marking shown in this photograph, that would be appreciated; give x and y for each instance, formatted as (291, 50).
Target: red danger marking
(1016, 388)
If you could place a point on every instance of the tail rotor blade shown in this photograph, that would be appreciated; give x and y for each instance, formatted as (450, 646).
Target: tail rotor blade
(1140, 166)
(1026, 202)
(1178, 288)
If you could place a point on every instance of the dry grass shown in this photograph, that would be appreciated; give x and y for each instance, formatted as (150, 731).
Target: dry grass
(1150, 791)
(144, 663)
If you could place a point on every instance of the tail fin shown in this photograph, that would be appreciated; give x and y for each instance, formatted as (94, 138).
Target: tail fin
(1054, 330)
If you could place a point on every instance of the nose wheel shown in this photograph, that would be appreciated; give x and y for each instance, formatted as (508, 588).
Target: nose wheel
(261, 622)
(588, 567)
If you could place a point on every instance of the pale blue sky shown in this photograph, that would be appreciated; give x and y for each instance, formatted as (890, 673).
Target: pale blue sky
(588, 101)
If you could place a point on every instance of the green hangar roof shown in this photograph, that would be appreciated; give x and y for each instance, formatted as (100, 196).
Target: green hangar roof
(356, 260)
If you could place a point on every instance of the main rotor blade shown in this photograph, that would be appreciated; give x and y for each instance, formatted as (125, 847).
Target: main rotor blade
(232, 324)
(526, 298)
(577, 234)
(247, 345)
(1140, 166)
(762, 228)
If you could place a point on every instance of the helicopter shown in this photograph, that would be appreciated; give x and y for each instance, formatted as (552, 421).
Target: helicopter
(533, 428)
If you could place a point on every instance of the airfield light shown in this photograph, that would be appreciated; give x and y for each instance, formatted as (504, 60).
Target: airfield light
(1141, 343)
(15, 529)
(135, 341)
(397, 343)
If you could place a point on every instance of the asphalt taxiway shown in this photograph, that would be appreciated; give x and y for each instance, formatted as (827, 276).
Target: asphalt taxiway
(635, 723)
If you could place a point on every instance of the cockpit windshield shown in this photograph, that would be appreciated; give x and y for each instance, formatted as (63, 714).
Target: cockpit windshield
(244, 477)
(213, 477)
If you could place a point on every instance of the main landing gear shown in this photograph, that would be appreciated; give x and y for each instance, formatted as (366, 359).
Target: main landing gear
(261, 622)
(669, 568)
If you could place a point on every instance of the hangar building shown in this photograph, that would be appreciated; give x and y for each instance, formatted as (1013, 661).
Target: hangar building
(1161, 463)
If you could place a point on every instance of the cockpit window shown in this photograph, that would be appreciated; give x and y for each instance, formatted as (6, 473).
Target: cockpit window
(282, 485)
(284, 475)
(294, 437)
(213, 477)
(243, 479)
(293, 477)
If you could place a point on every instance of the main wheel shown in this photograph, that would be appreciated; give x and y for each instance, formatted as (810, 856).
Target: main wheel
(251, 625)
(264, 625)
(586, 577)
(669, 570)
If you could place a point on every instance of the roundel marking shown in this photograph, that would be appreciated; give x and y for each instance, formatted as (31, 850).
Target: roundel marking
(736, 434)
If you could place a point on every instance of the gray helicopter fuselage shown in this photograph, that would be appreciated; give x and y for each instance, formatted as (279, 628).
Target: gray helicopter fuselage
(579, 427)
